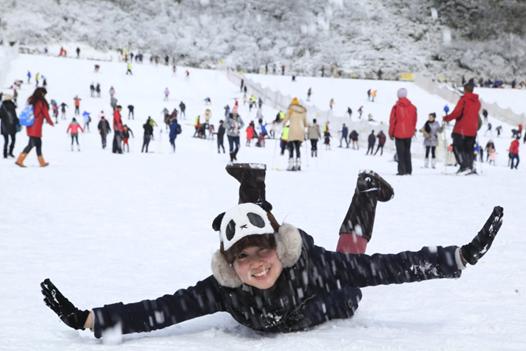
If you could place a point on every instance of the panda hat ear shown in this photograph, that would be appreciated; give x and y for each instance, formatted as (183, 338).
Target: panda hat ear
(216, 224)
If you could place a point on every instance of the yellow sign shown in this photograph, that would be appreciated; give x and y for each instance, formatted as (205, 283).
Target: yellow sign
(407, 76)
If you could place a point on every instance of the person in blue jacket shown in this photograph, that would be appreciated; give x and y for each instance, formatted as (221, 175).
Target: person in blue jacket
(271, 277)
(175, 129)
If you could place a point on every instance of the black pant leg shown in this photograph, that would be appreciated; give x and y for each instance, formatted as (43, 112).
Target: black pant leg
(400, 152)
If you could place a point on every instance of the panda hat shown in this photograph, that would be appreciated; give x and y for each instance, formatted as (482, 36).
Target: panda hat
(251, 219)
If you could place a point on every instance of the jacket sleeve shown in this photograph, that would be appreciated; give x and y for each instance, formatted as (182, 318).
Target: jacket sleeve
(382, 269)
(199, 300)
(457, 111)
(45, 112)
(392, 122)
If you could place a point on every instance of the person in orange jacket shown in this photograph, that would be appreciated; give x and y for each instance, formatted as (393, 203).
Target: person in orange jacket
(73, 130)
(34, 132)
(76, 102)
(402, 126)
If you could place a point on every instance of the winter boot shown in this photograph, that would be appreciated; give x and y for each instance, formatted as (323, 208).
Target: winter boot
(251, 177)
(426, 163)
(357, 227)
(20, 159)
(298, 164)
(433, 163)
(473, 251)
(291, 166)
(371, 182)
(42, 162)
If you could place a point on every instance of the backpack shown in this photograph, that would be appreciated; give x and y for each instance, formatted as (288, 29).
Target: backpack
(178, 129)
(27, 117)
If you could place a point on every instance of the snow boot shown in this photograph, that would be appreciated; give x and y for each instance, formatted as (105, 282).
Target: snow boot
(357, 226)
(426, 163)
(20, 160)
(473, 251)
(291, 166)
(298, 164)
(42, 162)
(251, 177)
(433, 163)
(371, 182)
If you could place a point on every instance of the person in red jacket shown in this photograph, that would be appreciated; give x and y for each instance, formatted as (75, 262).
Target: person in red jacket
(402, 126)
(73, 129)
(118, 130)
(34, 132)
(466, 114)
(514, 153)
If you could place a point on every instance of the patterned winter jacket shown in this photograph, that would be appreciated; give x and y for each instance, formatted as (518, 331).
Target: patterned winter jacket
(320, 286)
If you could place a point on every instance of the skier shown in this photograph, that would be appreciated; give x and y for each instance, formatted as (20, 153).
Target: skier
(344, 135)
(360, 111)
(126, 133)
(148, 134)
(371, 141)
(234, 124)
(273, 278)
(63, 106)
(104, 129)
(73, 130)
(92, 90)
(117, 130)
(86, 119)
(349, 112)
(297, 117)
(430, 130)
(175, 130)
(97, 89)
(76, 103)
(129, 68)
(250, 132)
(166, 93)
(182, 109)
(514, 152)
(131, 112)
(466, 114)
(28, 77)
(354, 139)
(402, 123)
(381, 142)
(10, 123)
(314, 134)
(309, 93)
(220, 137)
(34, 132)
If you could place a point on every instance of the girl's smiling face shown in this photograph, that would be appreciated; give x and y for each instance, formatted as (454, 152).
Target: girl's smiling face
(258, 266)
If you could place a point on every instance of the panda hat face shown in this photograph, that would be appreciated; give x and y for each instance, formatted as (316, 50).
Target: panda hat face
(241, 221)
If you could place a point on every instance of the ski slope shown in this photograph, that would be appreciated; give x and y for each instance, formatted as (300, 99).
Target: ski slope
(108, 228)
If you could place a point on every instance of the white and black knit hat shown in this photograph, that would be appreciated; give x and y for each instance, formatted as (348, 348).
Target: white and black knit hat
(245, 220)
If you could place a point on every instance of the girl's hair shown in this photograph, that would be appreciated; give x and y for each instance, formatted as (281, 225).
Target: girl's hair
(38, 95)
(432, 114)
(265, 241)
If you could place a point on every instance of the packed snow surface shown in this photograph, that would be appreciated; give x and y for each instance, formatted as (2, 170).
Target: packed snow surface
(108, 228)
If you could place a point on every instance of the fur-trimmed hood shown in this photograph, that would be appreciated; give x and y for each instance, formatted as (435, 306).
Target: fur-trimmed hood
(288, 245)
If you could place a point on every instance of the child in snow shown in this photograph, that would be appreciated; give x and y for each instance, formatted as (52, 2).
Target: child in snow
(273, 278)
(126, 133)
(73, 130)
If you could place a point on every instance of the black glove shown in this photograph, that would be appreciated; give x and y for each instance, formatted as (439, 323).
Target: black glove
(473, 251)
(65, 310)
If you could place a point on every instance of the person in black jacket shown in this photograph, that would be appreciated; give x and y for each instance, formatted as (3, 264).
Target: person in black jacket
(9, 122)
(148, 134)
(104, 129)
(273, 278)
(221, 137)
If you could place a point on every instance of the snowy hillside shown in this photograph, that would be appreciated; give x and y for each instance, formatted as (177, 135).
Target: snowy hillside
(358, 37)
(108, 228)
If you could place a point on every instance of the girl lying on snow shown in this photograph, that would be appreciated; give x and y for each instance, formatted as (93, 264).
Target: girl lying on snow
(272, 278)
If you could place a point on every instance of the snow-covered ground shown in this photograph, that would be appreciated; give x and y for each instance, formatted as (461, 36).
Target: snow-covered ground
(110, 228)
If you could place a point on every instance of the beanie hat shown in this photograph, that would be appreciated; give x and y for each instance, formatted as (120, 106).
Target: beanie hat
(7, 95)
(401, 93)
(250, 219)
(295, 101)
